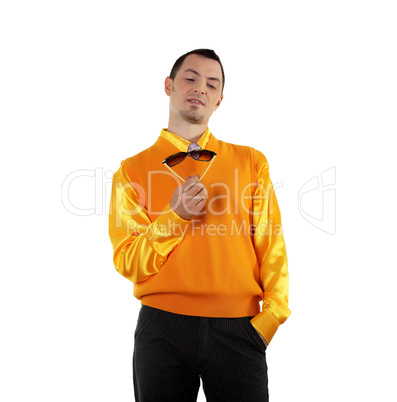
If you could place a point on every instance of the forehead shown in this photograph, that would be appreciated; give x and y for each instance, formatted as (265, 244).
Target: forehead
(203, 65)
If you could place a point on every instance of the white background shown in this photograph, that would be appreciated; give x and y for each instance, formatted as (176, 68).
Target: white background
(312, 84)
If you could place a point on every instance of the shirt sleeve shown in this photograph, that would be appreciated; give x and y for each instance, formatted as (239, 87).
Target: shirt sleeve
(271, 254)
(140, 246)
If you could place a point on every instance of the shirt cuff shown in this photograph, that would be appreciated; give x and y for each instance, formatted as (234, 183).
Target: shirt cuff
(265, 324)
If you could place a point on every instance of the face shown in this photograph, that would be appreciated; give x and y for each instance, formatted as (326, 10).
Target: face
(196, 91)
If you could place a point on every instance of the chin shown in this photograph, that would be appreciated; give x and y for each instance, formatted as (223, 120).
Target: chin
(193, 118)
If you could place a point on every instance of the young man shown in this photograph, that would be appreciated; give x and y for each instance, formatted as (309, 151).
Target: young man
(202, 253)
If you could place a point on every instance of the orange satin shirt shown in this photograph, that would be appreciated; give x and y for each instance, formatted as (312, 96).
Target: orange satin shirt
(220, 264)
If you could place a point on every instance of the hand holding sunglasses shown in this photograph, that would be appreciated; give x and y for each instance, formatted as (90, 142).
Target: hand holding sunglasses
(189, 198)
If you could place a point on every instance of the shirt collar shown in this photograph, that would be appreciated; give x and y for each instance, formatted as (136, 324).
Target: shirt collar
(183, 144)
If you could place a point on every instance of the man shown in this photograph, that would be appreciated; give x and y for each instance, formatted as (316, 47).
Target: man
(202, 253)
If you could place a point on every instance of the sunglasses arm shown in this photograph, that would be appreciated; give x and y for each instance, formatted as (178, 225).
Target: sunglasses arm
(174, 172)
(206, 170)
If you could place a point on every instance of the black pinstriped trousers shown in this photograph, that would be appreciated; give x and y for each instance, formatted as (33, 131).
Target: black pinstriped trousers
(172, 351)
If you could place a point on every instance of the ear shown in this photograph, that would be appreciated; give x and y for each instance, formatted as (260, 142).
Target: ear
(168, 85)
(218, 103)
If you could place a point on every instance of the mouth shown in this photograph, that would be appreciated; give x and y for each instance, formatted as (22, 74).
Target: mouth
(195, 101)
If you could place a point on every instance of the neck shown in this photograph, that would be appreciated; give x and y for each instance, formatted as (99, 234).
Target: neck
(188, 131)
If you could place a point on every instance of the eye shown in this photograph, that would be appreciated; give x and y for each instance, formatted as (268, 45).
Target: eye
(189, 79)
(211, 86)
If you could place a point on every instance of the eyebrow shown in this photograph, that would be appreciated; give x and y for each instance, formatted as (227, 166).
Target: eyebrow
(197, 73)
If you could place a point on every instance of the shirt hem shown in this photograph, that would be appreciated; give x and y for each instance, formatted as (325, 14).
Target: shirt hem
(204, 305)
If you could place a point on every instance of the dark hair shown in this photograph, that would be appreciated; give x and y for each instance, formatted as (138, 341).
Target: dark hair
(208, 53)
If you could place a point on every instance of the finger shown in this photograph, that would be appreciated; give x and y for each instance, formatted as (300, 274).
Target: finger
(200, 202)
(200, 197)
(188, 184)
(202, 191)
(195, 205)
(198, 188)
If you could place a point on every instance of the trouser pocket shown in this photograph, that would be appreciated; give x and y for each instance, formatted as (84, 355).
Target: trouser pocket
(146, 314)
(253, 334)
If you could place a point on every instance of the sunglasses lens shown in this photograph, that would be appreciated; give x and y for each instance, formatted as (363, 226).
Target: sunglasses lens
(175, 159)
(203, 155)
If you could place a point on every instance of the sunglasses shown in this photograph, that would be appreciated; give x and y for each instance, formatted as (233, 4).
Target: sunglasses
(203, 155)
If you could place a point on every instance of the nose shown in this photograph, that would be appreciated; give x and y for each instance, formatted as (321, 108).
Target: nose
(200, 88)
(199, 91)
